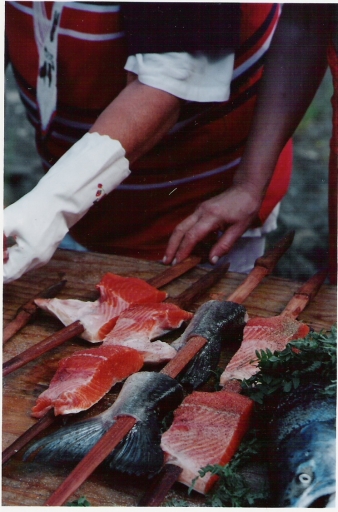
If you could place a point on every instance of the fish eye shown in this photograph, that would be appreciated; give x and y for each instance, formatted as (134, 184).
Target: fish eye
(304, 478)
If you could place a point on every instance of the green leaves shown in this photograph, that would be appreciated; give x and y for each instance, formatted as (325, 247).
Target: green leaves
(81, 502)
(283, 371)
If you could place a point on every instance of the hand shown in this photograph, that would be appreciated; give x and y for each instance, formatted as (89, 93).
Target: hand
(231, 212)
(36, 232)
(93, 167)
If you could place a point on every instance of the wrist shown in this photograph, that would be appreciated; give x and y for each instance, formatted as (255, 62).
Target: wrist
(91, 169)
(252, 193)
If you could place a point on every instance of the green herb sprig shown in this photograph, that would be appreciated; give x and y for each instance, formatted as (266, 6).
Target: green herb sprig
(81, 502)
(283, 371)
(231, 489)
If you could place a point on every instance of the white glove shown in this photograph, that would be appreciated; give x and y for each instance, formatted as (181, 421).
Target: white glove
(93, 167)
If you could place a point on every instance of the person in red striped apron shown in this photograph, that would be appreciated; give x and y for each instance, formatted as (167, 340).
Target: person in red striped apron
(137, 129)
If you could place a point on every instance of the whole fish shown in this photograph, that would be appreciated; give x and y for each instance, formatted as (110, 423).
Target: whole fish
(303, 449)
(143, 396)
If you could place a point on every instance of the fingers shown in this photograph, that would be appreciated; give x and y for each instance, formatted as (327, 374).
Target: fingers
(186, 235)
(227, 241)
(231, 212)
(177, 238)
(193, 230)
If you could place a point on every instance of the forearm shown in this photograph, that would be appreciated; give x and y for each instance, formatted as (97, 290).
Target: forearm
(138, 118)
(294, 68)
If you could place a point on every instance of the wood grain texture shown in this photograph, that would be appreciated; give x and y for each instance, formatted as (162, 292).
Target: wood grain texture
(27, 311)
(28, 483)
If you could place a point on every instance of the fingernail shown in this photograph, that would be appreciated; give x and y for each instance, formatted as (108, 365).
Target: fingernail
(174, 262)
(164, 259)
(214, 259)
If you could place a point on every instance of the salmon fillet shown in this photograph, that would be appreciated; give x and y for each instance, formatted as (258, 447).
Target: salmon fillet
(140, 324)
(84, 377)
(117, 293)
(207, 429)
(260, 334)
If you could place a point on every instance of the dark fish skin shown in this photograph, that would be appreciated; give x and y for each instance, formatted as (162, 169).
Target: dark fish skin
(303, 449)
(143, 396)
(217, 321)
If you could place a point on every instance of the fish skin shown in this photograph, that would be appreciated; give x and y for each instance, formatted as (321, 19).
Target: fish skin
(303, 448)
(143, 396)
(217, 321)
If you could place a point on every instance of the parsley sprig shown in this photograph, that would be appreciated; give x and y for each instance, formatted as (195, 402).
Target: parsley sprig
(81, 502)
(316, 354)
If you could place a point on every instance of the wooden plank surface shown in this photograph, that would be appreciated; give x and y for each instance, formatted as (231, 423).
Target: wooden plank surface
(30, 484)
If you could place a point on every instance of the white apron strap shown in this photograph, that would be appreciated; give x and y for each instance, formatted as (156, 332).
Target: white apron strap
(46, 37)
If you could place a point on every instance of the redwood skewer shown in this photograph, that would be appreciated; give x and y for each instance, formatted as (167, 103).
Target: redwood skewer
(304, 295)
(89, 463)
(170, 472)
(192, 293)
(116, 434)
(160, 486)
(264, 265)
(76, 328)
(169, 274)
(44, 422)
(28, 311)
(53, 341)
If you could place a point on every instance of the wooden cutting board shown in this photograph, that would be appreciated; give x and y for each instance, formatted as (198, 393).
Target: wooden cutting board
(30, 484)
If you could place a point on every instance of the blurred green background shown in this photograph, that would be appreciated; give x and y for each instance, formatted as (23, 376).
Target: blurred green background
(304, 209)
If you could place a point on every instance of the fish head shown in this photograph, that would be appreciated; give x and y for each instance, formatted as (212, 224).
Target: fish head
(308, 473)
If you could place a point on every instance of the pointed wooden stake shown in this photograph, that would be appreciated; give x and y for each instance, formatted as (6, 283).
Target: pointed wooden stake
(28, 311)
(305, 294)
(90, 462)
(263, 267)
(32, 432)
(160, 486)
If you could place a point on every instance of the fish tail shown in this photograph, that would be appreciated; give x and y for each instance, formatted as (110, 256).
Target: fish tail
(139, 452)
(69, 444)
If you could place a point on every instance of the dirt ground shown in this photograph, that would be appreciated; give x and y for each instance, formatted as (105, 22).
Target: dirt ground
(304, 209)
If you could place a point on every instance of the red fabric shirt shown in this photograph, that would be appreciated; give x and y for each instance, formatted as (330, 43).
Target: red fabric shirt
(197, 158)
